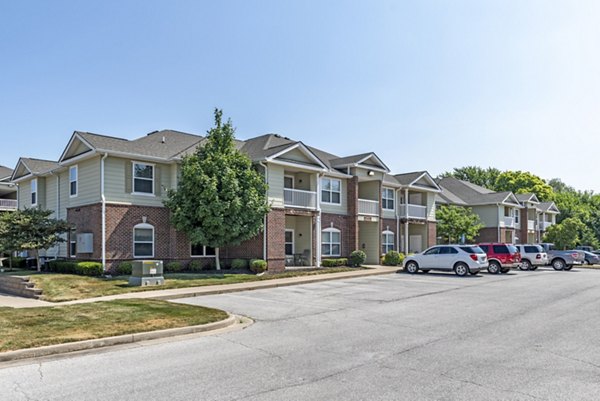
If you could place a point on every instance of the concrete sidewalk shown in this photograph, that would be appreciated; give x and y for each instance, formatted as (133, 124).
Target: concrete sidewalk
(17, 302)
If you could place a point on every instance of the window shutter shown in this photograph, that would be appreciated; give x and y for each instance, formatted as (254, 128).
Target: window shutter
(157, 186)
(128, 177)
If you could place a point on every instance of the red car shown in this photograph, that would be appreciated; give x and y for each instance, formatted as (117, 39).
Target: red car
(501, 257)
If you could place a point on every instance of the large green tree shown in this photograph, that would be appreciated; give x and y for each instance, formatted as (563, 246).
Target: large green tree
(570, 233)
(455, 221)
(485, 177)
(523, 182)
(220, 198)
(31, 230)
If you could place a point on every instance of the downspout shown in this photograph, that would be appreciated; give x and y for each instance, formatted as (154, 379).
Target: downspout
(498, 206)
(397, 219)
(265, 217)
(406, 223)
(102, 195)
(318, 227)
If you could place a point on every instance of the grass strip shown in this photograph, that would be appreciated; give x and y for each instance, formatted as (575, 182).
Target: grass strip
(36, 327)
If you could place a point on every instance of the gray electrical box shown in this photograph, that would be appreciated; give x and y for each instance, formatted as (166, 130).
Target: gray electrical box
(85, 243)
(146, 272)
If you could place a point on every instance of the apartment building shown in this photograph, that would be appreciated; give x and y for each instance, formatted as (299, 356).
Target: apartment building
(8, 191)
(322, 205)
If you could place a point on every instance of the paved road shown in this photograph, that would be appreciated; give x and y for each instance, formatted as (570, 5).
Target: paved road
(522, 336)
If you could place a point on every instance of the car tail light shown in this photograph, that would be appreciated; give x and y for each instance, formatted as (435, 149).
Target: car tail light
(474, 257)
(538, 256)
(575, 255)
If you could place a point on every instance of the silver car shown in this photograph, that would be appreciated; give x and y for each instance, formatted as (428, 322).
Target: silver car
(532, 256)
(462, 259)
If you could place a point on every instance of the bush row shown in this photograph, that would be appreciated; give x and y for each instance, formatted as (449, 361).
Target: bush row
(92, 269)
(334, 262)
(255, 265)
(392, 258)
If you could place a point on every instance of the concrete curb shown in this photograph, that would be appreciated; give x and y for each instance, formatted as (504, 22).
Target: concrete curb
(115, 340)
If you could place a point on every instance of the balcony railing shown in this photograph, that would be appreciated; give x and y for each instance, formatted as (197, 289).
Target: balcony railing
(544, 225)
(370, 207)
(299, 198)
(508, 221)
(531, 224)
(8, 204)
(414, 211)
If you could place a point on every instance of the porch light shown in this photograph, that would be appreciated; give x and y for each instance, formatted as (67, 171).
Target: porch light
(370, 173)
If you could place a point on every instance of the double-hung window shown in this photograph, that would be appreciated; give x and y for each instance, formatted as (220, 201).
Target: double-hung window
(73, 179)
(331, 191)
(517, 216)
(34, 192)
(387, 198)
(73, 243)
(143, 241)
(199, 251)
(331, 242)
(143, 178)
(387, 241)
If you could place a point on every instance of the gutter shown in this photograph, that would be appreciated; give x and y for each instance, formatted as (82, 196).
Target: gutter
(265, 218)
(102, 195)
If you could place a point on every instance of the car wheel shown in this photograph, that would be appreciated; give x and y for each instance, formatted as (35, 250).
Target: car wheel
(493, 267)
(474, 272)
(525, 265)
(412, 267)
(558, 264)
(533, 268)
(425, 271)
(568, 267)
(461, 269)
(504, 270)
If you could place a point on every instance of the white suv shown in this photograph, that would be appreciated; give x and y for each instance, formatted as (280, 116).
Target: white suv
(532, 256)
(462, 259)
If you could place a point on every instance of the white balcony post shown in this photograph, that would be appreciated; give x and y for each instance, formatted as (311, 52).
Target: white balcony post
(318, 223)
(406, 222)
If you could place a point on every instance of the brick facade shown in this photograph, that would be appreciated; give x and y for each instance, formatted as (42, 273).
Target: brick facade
(347, 225)
(276, 240)
(352, 223)
(431, 234)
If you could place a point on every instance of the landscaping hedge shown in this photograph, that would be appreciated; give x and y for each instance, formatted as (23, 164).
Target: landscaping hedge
(334, 262)
(357, 258)
(80, 268)
(239, 264)
(393, 258)
(258, 265)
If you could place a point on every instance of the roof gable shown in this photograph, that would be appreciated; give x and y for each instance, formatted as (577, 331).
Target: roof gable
(295, 153)
(76, 147)
(28, 166)
(364, 160)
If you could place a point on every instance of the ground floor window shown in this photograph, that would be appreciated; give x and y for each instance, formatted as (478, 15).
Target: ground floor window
(289, 242)
(198, 251)
(387, 241)
(143, 241)
(331, 242)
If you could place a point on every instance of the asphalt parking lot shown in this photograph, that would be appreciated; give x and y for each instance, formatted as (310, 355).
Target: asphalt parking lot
(520, 336)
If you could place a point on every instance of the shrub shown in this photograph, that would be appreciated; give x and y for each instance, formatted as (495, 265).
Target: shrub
(239, 264)
(334, 262)
(258, 265)
(195, 266)
(357, 258)
(124, 269)
(17, 262)
(173, 267)
(62, 266)
(93, 269)
(392, 258)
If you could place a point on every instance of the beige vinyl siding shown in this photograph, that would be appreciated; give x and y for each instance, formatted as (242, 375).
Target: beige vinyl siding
(342, 208)
(51, 194)
(88, 183)
(275, 181)
(64, 194)
(302, 226)
(487, 214)
(24, 194)
(369, 190)
(296, 155)
(430, 206)
(364, 173)
(370, 236)
(114, 185)
(41, 192)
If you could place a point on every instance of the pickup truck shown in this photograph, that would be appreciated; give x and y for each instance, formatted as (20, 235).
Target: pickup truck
(563, 260)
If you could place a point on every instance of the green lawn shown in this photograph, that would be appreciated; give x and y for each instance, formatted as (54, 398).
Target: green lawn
(67, 287)
(36, 327)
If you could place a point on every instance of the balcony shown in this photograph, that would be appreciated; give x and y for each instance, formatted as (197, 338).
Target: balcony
(544, 225)
(414, 211)
(8, 204)
(299, 198)
(368, 207)
(531, 225)
(508, 222)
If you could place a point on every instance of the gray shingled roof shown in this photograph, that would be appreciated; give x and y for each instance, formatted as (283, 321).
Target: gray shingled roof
(175, 142)
(545, 207)
(5, 173)
(525, 197)
(39, 166)
(344, 161)
(469, 193)
(407, 178)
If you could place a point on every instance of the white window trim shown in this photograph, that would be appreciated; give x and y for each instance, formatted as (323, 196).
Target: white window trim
(76, 168)
(36, 192)
(331, 191)
(388, 233)
(204, 255)
(293, 241)
(393, 198)
(133, 178)
(332, 230)
(72, 240)
(147, 227)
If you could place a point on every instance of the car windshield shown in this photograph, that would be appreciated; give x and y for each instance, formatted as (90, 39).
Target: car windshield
(472, 249)
(512, 249)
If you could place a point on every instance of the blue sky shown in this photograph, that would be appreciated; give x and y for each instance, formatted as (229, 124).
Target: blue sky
(427, 85)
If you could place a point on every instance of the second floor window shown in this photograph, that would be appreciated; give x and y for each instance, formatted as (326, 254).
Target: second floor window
(73, 173)
(143, 178)
(517, 213)
(387, 198)
(331, 191)
(34, 192)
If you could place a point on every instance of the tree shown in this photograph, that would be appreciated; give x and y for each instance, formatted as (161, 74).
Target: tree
(455, 221)
(220, 198)
(523, 182)
(476, 175)
(571, 233)
(31, 230)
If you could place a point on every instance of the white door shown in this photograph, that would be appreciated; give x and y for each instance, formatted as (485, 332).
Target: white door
(415, 243)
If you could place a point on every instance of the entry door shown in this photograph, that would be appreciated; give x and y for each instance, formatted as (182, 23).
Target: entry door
(289, 242)
(415, 243)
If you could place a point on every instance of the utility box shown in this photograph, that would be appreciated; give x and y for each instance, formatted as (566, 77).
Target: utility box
(85, 243)
(146, 272)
